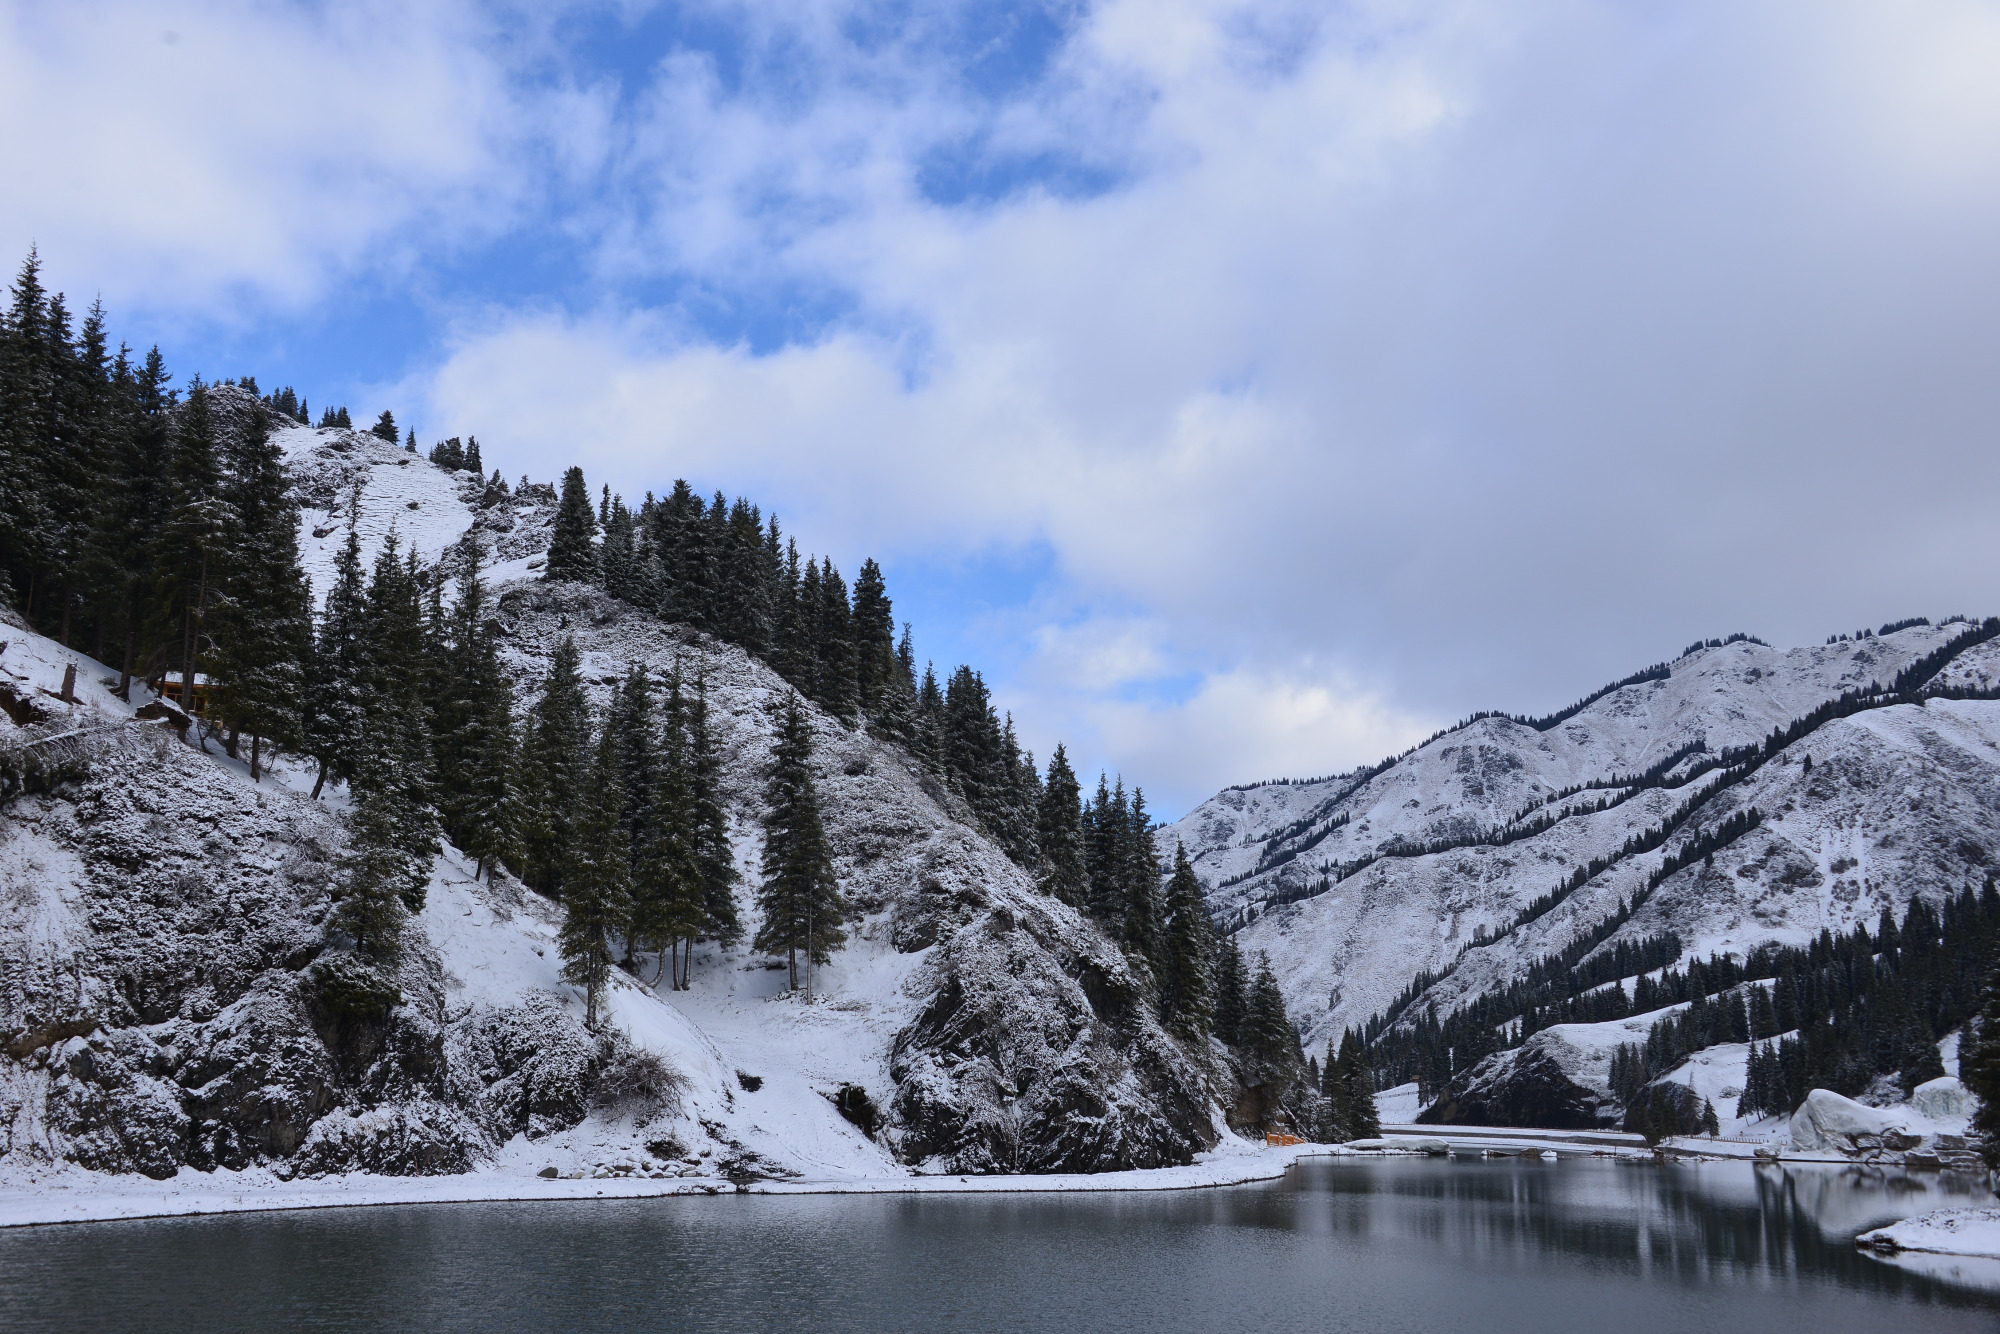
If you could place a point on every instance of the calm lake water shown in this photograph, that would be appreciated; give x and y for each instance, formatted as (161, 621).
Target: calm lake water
(1485, 1246)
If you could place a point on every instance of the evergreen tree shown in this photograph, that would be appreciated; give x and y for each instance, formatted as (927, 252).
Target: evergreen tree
(1979, 1069)
(380, 879)
(266, 634)
(1141, 876)
(395, 761)
(191, 546)
(668, 890)
(385, 429)
(1232, 998)
(596, 878)
(1059, 826)
(1357, 1084)
(713, 851)
(1187, 993)
(874, 623)
(572, 553)
(801, 901)
(1269, 1043)
(474, 725)
(554, 765)
(334, 724)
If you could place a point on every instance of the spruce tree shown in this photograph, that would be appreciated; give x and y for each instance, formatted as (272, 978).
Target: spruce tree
(668, 891)
(396, 763)
(800, 899)
(1268, 1040)
(265, 638)
(1059, 828)
(713, 851)
(474, 724)
(1141, 877)
(572, 553)
(1979, 1069)
(554, 766)
(596, 878)
(191, 546)
(380, 878)
(1187, 993)
(385, 429)
(1231, 991)
(1357, 1083)
(874, 638)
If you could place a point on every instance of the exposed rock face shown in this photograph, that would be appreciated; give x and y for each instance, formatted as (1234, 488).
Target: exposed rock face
(1025, 1043)
(1531, 1086)
(159, 926)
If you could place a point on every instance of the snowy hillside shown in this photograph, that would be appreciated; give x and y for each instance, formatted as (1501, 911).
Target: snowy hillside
(1353, 885)
(161, 919)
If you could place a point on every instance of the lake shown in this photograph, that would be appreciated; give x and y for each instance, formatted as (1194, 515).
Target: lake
(1349, 1244)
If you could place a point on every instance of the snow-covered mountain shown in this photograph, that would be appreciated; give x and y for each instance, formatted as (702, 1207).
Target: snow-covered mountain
(1355, 884)
(161, 916)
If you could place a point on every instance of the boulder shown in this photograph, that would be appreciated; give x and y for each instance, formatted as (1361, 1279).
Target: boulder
(1828, 1123)
(1532, 1085)
(1941, 1099)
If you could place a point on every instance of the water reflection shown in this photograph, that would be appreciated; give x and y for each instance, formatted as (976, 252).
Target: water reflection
(1340, 1245)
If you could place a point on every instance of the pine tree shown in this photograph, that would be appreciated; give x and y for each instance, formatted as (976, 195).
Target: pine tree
(572, 553)
(1141, 877)
(395, 762)
(191, 546)
(1979, 1069)
(801, 901)
(1059, 826)
(1711, 1125)
(1187, 993)
(713, 851)
(1268, 1040)
(265, 639)
(380, 878)
(1357, 1082)
(596, 880)
(385, 429)
(334, 720)
(1231, 992)
(474, 725)
(874, 638)
(554, 766)
(668, 892)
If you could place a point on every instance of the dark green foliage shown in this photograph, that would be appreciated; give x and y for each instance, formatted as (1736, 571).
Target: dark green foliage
(395, 760)
(668, 890)
(1268, 1045)
(339, 671)
(1187, 990)
(1059, 827)
(385, 429)
(380, 878)
(472, 719)
(572, 551)
(596, 876)
(554, 767)
(801, 901)
(264, 633)
(1979, 1069)
(712, 850)
(1232, 991)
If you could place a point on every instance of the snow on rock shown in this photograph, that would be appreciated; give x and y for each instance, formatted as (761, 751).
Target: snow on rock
(165, 1008)
(1946, 1232)
(1941, 1099)
(1827, 1122)
(1898, 801)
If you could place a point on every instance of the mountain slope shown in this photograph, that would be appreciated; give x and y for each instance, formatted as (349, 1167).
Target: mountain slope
(163, 1004)
(1335, 882)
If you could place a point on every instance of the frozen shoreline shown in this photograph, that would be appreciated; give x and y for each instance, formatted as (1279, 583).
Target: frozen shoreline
(77, 1196)
(1960, 1232)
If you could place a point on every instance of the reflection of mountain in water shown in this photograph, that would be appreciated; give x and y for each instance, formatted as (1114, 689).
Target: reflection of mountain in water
(1697, 1223)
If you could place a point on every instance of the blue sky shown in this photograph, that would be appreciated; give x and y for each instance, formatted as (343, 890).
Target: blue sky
(1247, 388)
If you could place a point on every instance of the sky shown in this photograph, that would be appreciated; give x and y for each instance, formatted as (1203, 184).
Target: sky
(1246, 389)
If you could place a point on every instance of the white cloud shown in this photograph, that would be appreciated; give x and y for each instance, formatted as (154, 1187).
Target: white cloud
(202, 152)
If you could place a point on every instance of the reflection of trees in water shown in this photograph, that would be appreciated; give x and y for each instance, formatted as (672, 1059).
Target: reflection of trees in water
(1693, 1222)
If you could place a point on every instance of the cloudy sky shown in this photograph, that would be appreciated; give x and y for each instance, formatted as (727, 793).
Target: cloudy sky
(1247, 389)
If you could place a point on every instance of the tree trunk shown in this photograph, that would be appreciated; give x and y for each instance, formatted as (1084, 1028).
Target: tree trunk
(255, 743)
(320, 781)
(63, 638)
(792, 963)
(131, 650)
